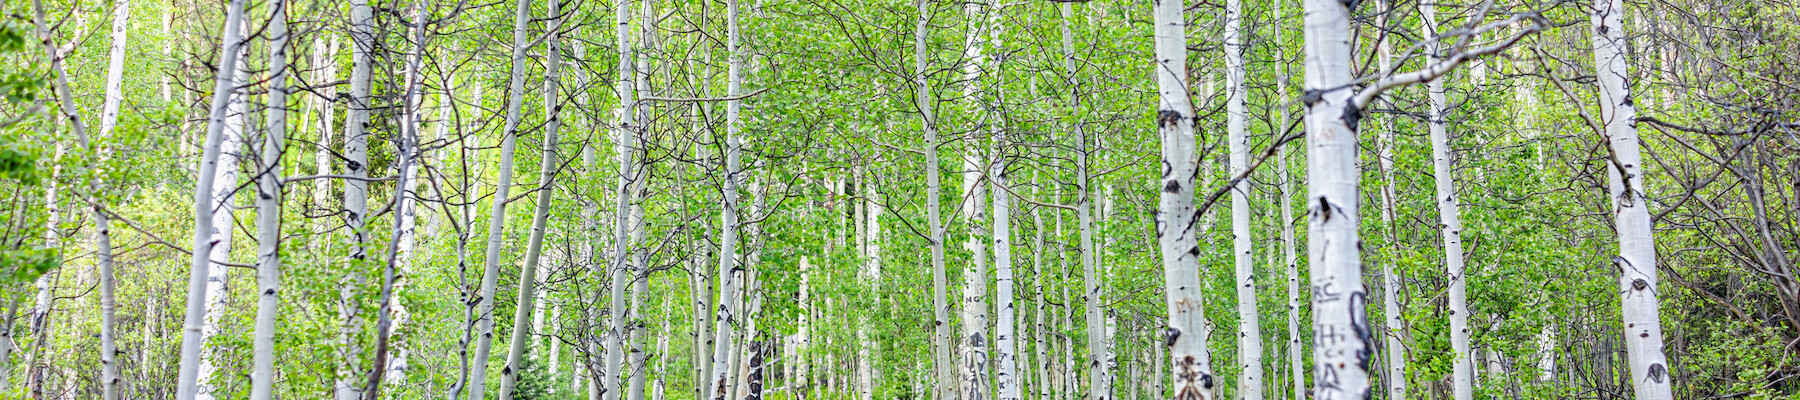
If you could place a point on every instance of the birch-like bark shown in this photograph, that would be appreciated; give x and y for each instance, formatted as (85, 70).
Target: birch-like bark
(223, 221)
(102, 237)
(192, 338)
(356, 195)
(324, 60)
(1394, 322)
(1186, 333)
(1650, 375)
(1449, 222)
(974, 384)
(1250, 346)
(942, 366)
(400, 245)
(1006, 379)
(1040, 331)
(625, 144)
(728, 220)
(521, 335)
(109, 117)
(1099, 387)
(1342, 343)
(268, 212)
(1296, 367)
(484, 303)
(801, 381)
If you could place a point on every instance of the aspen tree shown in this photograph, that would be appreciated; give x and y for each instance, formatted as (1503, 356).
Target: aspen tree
(268, 211)
(192, 338)
(1636, 262)
(974, 384)
(1449, 222)
(1186, 334)
(1395, 324)
(625, 144)
(515, 357)
(1250, 347)
(942, 366)
(484, 302)
(728, 226)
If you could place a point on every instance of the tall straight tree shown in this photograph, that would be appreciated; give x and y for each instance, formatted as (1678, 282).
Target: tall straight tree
(268, 212)
(625, 144)
(230, 48)
(1250, 351)
(723, 353)
(484, 302)
(108, 120)
(1186, 333)
(974, 379)
(224, 223)
(1006, 379)
(942, 366)
(1296, 367)
(403, 238)
(540, 219)
(363, 39)
(1650, 375)
(1449, 222)
(1390, 279)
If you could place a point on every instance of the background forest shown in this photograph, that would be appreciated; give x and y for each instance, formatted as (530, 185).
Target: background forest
(884, 199)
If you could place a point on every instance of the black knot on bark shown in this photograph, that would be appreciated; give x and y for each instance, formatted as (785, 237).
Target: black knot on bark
(1165, 118)
(1352, 115)
(1312, 96)
(1172, 186)
(1639, 284)
(1171, 334)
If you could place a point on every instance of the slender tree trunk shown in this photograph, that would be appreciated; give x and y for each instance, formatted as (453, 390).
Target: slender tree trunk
(975, 319)
(625, 144)
(356, 195)
(1449, 225)
(102, 240)
(204, 203)
(1040, 332)
(268, 213)
(1006, 380)
(325, 60)
(484, 303)
(801, 381)
(1296, 367)
(1650, 375)
(521, 335)
(224, 220)
(400, 247)
(942, 366)
(1391, 291)
(728, 226)
(1186, 333)
(1250, 346)
(1339, 302)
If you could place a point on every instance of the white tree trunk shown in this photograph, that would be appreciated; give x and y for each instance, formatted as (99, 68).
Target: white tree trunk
(974, 384)
(801, 380)
(268, 213)
(356, 195)
(625, 144)
(1395, 324)
(1637, 248)
(1339, 303)
(942, 365)
(324, 61)
(725, 321)
(223, 221)
(483, 303)
(534, 248)
(192, 337)
(1296, 368)
(1449, 225)
(1186, 333)
(1040, 345)
(1250, 346)
(1006, 379)
(102, 239)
